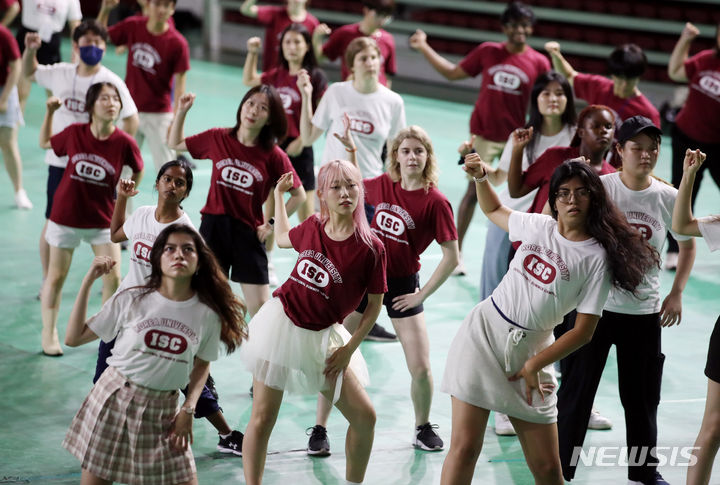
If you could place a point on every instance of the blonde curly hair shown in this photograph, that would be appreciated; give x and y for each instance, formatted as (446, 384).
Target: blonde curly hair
(430, 173)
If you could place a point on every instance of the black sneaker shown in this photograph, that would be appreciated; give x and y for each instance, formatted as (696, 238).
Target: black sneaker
(379, 334)
(427, 439)
(210, 384)
(231, 444)
(318, 444)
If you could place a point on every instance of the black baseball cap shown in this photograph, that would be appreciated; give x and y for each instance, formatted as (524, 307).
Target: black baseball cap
(634, 125)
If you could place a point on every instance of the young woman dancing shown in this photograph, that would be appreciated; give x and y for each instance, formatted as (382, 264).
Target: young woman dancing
(297, 343)
(167, 333)
(683, 222)
(501, 359)
(83, 203)
(246, 164)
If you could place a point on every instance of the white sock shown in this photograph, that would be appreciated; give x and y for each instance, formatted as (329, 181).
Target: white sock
(224, 436)
(348, 482)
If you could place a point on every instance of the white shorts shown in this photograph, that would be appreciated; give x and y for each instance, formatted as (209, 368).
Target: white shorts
(70, 237)
(13, 116)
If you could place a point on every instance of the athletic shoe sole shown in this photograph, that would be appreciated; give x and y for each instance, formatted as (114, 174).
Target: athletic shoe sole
(419, 445)
(228, 450)
(322, 452)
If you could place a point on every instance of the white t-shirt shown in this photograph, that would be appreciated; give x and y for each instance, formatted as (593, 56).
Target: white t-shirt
(141, 229)
(374, 118)
(650, 212)
(561, 139)
(63, 81)
(710, 229)
(157, 338)
(550, 275)
(49, 16)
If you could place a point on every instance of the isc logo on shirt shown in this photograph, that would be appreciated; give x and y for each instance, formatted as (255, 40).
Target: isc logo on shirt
(145, 56)
(90, 170)
(313, 274)
(643, 229)
(362, 126)
(142, 251)
(539, 269)
(390, 223)
(710, 84)
(506, 80)
(74, 105)
(167, 342)
(236, 176)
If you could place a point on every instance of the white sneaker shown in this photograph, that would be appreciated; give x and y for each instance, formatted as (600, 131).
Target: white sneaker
(503, 426)
(671, 261)
(22, 201)
(598, 421)
(459, 269)
(272, 276)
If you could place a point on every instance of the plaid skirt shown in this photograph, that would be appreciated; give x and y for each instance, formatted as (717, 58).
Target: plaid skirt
(121, 434)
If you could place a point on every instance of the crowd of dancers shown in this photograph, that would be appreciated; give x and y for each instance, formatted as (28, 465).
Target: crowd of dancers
(572, 253)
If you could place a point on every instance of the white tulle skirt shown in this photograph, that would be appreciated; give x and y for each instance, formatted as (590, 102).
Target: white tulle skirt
(286, 357)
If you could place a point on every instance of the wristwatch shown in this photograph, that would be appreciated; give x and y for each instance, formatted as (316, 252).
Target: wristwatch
(189, 409)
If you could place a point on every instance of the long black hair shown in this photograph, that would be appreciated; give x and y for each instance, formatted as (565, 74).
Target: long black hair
(318, 79)
(209, 282)
(275, 129)
(535, 118)
(629, 255)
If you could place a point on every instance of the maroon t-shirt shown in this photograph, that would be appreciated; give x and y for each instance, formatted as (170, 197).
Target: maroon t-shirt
(9, 52)
(700, 116)
(85, 197)
(599, 90)
(507, 80)
(276, 19)
(152, 62)
(286, 86)
(242, 176)
(330, 277)
(342, 36)
(6, 4)
(539, 173)
(407, 221)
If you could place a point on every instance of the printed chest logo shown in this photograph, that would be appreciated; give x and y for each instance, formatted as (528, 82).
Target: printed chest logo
(145, 57)
(364, 127)
(645, 230)
(710, 84)
(46, 7)
(165, 341)
(390, 223)
(539, 269)
(288, 97)
(89, 170)
(506, 80)
(74, 105)
(313, 274)
(237, 176)
(142, 251)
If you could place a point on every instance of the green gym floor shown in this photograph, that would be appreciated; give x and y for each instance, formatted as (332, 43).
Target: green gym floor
(41, 394)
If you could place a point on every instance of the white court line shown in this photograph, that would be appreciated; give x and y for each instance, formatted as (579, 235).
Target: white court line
(699, 399)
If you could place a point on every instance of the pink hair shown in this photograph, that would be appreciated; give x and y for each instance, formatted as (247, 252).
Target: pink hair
(333, 171)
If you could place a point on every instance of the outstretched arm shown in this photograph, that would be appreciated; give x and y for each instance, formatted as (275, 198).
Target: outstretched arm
(676, 66)
(10, 13)
(29, 58)
(52, 104)
(450, 71)
(78, 332)
(176, 138)
(308, 132)
(249, 9)
(516, 180)
(125, 190)
(486, 196)
(560, 64)
(105, 9)
(683, 221)
(282, 222)
(250, 75)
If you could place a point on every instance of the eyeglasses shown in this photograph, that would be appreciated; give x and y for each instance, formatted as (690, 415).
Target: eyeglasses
(563, 195)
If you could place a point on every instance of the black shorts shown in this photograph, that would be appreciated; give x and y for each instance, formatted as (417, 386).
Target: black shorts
(397, 287)
(236, 246)
(54, 176)
(712, 367)
(304, 165)
(49, 52)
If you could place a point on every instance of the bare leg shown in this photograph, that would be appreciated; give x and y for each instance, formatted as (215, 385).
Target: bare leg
(466, 441)
(217, 419)
(255, 296)
(542, 451)
(265, 408)
(11, 155)
(44, 248)
(111, 281)
(87, 478)
(60, 259)
(412, 333)
(324, 406)
(355, 405)
(708, 439)
(23, 86)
